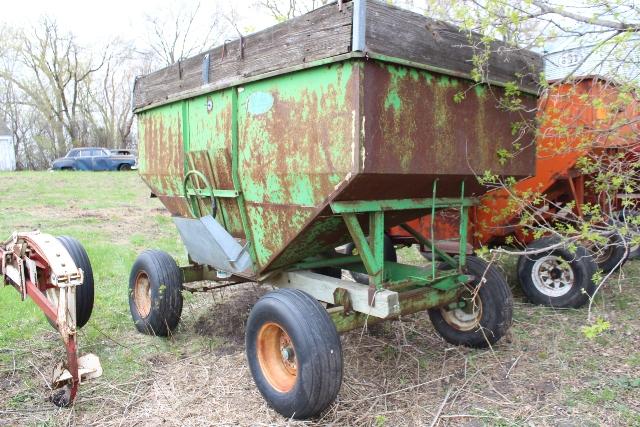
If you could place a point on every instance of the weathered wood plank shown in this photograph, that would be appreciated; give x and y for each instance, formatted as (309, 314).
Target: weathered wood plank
(326, 32)
(410, 36)
(320, 34)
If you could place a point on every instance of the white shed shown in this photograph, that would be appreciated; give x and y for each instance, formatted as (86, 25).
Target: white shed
(7, 155)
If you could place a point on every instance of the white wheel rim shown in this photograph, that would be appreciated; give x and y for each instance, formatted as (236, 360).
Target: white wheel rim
(552, 276)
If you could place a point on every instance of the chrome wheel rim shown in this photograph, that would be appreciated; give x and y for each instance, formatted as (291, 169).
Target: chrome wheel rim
(552, 276)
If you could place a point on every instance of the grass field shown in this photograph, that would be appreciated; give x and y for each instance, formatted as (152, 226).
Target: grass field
(545, 372)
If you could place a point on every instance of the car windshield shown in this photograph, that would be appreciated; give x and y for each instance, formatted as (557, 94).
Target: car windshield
(122, 152)
(72, 153)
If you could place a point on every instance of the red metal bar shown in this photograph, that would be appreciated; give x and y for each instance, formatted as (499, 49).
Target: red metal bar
(41, 300)
(72, 365)
(574, 193)
(69, 341)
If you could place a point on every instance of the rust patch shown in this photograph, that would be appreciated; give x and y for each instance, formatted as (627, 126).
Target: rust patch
(414, 126)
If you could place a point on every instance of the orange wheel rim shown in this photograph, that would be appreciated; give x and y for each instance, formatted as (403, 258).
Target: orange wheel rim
(277, 357)
(142, 294)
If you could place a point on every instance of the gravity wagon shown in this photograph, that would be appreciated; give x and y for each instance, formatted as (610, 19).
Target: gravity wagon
(275, 149)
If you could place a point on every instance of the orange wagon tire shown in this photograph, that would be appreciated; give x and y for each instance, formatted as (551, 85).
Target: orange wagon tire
(294, 353)
(155, 293)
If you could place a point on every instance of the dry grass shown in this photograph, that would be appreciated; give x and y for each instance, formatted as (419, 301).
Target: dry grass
(545, 372)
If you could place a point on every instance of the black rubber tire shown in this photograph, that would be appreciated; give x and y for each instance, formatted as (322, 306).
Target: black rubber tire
(389, 255)
(84, 292)
(627, 218)
(318, 352)
(496, 303)
(165, 289)
(124, 167)
(615, 253)
(582, 266)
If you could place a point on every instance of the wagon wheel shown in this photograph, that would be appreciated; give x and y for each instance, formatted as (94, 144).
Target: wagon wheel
(277, 357)
(557, 277)
(611, 254)
(483, 312)
(82, 297)
(294, 353)
(155, 293)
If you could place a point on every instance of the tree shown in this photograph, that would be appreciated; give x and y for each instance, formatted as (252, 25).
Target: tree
(50, 70)
(108, 103)
(282, 10)
(600, 39)
(183, 31)
(56, 94)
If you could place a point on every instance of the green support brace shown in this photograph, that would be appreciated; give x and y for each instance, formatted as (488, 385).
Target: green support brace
(363, 206)
(371, 250)
(372, 256)
(376, 236)
(327, 262)
(432, 229)
(464, 222)
(235, 175)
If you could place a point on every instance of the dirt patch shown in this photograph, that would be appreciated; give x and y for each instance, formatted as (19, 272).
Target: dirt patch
(228, 317)
(119, 224)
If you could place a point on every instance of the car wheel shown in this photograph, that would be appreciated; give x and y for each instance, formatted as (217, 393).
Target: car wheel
(124, 167)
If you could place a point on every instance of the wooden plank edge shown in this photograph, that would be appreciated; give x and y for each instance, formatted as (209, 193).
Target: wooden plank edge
(204, 89)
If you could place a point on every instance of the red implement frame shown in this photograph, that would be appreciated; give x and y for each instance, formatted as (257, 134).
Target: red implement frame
(39, 267)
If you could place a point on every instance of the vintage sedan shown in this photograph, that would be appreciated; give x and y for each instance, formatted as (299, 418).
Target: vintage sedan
(95, 159)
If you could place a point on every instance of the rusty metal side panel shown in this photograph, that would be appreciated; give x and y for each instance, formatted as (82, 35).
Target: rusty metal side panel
(297, 136)
(161, 155)
(424, 123)
(210, 131)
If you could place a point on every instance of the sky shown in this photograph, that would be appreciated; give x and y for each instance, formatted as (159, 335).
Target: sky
(99, 21)
(95, 23)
